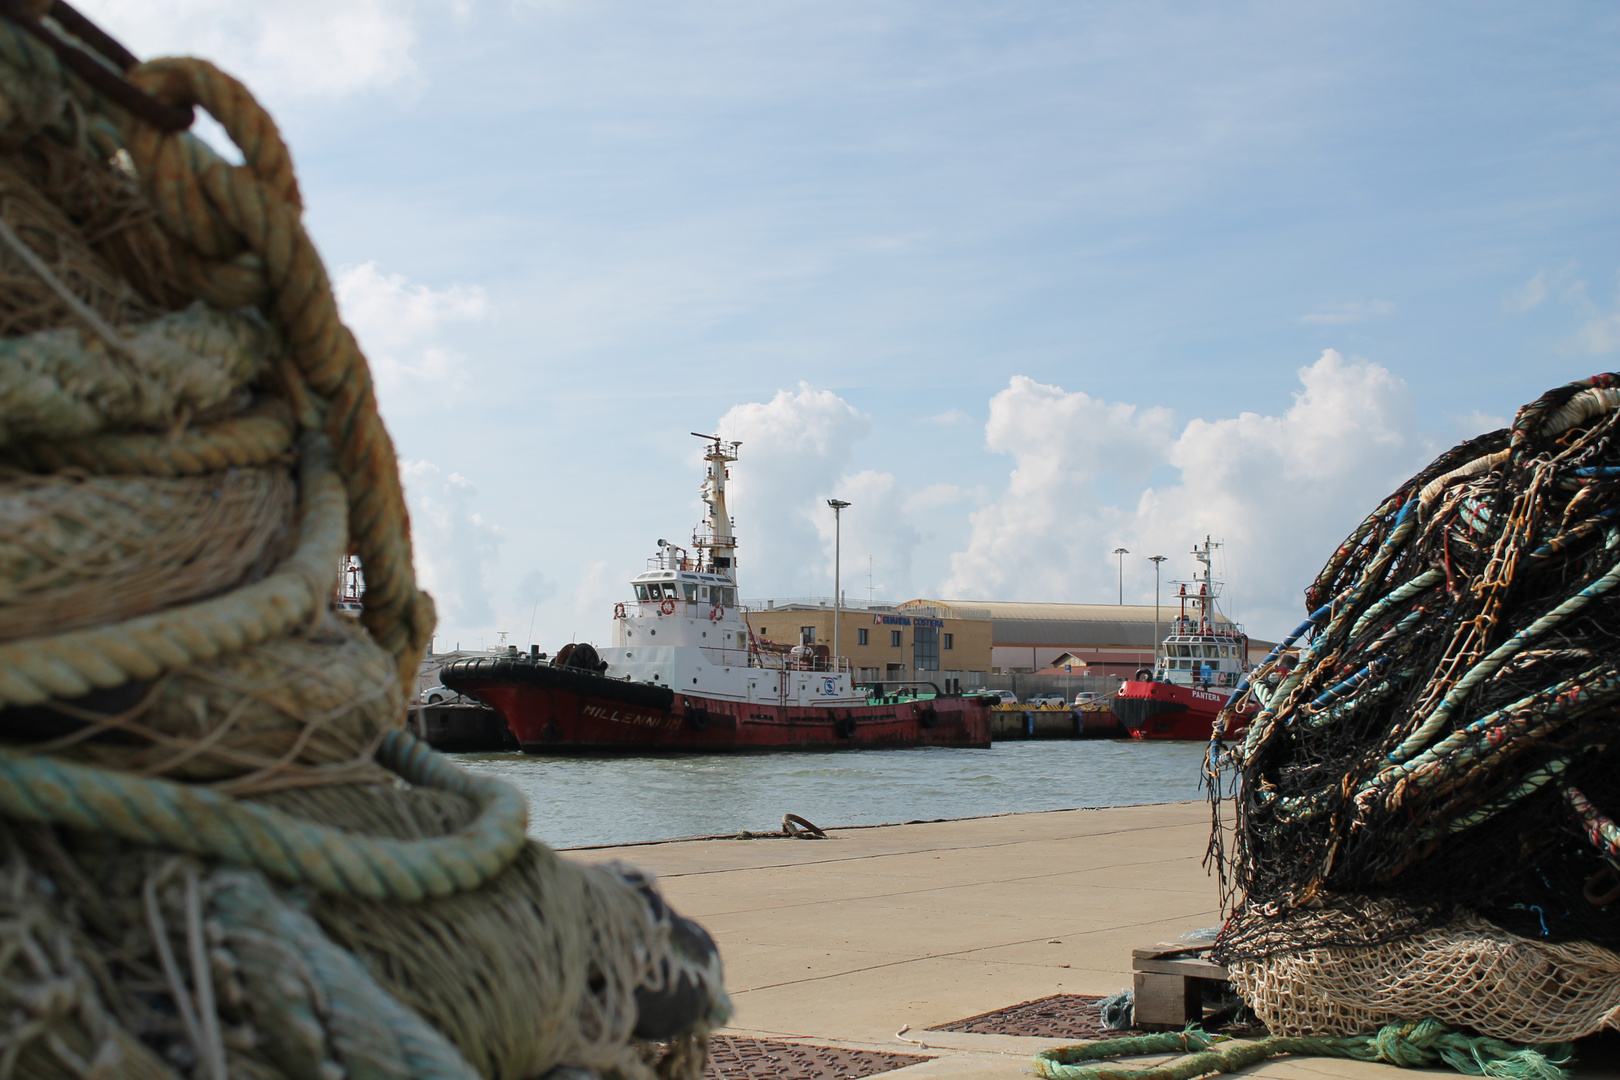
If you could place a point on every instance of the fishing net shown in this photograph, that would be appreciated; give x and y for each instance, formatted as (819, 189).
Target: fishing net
(220, 853)
(1424, 803)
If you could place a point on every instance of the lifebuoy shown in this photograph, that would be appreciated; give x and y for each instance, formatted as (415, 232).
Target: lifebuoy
(618, 610)
(717, 613)
(667, 607)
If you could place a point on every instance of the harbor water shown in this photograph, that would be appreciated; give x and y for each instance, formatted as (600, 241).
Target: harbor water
(575, 802)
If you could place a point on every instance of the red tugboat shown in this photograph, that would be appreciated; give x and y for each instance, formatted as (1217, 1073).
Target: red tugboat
(1203, 660)
(686, 673)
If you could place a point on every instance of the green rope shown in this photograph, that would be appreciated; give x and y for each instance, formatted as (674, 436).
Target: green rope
(317, 1002)
(1411, 1045)
(203, 822)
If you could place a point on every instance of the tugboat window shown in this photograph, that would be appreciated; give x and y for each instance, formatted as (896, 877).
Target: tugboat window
(690, 589)
(925, 648)
(641, 592)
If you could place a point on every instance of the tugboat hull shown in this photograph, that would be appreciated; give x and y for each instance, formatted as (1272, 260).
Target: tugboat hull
(562, 710)
(1161, 710)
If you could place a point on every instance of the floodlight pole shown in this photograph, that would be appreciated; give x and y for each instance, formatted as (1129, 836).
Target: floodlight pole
(1156, 560)
(838, 506)
(1121, 552)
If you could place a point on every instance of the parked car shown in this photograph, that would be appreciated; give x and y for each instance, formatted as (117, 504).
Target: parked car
(1055, 700)
(1086, 696)
(436, 695)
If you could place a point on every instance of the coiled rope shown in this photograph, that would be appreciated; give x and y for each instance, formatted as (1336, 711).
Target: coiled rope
(71, 664)
(1423, 791)
(196, 820)
(185, 710)
(239, 237)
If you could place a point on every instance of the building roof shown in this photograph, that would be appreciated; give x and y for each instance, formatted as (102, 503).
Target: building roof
(1061, 625)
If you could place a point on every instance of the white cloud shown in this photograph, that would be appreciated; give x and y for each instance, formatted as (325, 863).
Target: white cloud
(1533, 293)
(1024, 545)
(1281, 491)
(880, 538)
(1529, 295)
(1469, 425)
(1600, 333)
(1352, 311)
(594, 590)
(400, 328)
(948, 417)
(456, 549)
(302, 48)
(935, 495)
(794, 450)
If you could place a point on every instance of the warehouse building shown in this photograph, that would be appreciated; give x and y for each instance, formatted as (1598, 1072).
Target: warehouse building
(881, 642)
(885, 641)
(1112, 639)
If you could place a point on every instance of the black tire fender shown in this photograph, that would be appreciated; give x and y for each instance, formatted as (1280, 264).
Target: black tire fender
(928, 717)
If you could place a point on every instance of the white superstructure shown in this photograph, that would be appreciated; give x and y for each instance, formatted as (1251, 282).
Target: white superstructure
(684, 629)
(1199, 651)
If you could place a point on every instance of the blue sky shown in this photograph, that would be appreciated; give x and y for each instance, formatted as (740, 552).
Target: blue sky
(1024, 282)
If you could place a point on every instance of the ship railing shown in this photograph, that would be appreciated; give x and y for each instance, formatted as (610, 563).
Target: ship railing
(780, 661)
(691, 609)
(819, 663)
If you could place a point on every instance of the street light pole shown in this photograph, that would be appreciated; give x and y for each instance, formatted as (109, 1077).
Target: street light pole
(838, 506)
(1156, 560)
(1121, 552)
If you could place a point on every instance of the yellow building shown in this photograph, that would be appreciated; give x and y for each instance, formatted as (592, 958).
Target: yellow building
(977, 637)
(879, 641)
(1111, 639)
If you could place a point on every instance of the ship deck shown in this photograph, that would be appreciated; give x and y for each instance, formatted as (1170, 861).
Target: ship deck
(844, 942)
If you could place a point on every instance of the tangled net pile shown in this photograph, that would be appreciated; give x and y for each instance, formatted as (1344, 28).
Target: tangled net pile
(1425, 801)
(220, 853)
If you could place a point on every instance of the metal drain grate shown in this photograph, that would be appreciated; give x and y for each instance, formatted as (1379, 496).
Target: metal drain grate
(734, 1057)
(1063, 1016)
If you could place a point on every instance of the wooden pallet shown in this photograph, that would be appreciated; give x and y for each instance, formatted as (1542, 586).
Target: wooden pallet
(1170, 985)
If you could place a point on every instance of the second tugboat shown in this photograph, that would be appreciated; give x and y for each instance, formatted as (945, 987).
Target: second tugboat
(1203, 660)
(686, 673)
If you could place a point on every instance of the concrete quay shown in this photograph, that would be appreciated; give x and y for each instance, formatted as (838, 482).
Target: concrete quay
(844, 942)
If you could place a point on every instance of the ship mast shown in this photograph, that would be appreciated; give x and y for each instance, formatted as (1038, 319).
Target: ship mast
(1206, 592)
(714, 535)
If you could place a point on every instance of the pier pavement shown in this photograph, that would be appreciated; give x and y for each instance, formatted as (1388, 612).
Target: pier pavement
(844, 942)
